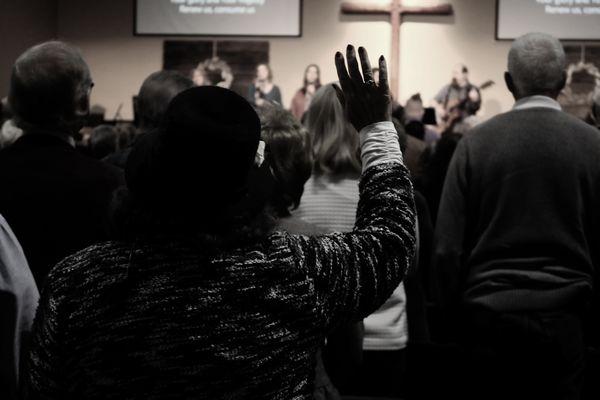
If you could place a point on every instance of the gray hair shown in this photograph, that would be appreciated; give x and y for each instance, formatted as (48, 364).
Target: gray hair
(537, 62)
(49, 86)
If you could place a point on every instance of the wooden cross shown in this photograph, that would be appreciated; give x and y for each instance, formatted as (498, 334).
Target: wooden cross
(395, 9)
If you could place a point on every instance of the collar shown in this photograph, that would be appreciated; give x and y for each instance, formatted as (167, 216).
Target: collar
(537, 101)
(43, 139)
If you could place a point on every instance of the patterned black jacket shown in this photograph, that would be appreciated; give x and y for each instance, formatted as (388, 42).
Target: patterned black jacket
(166, 320)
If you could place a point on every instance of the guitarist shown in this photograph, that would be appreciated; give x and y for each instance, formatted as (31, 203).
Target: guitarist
(459, 95)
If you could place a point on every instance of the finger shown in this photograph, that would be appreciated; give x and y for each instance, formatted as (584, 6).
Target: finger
(353, 65)
(342, 72)
(340, 95)
(383, 74)
(365, 64)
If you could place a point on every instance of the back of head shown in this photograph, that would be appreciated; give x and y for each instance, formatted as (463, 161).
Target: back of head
(536, 63)
(156, 93)
(414, 110)
(104, 140)
(289, 156)
(49, 87)
(194, 170)
(334, 140)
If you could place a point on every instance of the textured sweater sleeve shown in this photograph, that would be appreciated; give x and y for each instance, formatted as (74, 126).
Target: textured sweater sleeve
(352, 274)
(45, 369)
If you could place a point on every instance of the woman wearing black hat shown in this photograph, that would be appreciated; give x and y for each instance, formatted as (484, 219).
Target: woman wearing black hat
(199, 300)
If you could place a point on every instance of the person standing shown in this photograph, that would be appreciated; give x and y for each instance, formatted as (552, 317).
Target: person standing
(263, 90)
(517, 235)
(303, 97)
(459, 97)
(202, 300)
(54, 198)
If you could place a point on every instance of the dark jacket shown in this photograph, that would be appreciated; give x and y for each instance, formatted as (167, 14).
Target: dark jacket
(54, 198)
(158, 319)
(519, 219)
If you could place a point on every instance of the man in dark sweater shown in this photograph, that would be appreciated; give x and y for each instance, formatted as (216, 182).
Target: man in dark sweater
(54, 198)
(517, 235)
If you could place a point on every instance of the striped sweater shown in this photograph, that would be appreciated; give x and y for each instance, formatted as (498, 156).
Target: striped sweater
(167, 320)
(331, 204)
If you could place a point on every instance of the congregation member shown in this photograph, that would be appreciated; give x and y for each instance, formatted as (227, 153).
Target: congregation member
(263, 91)
(413, 115)
(303, 97)
(331, 194)
(330, 201)
(203, 301)
(18, 301)
(54, 198)
(517, 232)
(157, 90)
(213, 72)
(288, 157)
(104, 140)
(434, 164)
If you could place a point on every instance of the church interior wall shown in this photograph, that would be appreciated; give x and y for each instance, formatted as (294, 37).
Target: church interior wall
(430, 46)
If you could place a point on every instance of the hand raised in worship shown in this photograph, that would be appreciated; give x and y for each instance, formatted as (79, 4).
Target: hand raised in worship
(365, 101)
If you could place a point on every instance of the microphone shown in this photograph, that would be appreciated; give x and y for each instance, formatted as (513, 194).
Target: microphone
(118, 112)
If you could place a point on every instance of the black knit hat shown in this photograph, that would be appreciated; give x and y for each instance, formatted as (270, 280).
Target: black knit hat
(198, 161)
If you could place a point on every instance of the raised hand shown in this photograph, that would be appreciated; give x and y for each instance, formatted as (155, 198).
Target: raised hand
(365, 101)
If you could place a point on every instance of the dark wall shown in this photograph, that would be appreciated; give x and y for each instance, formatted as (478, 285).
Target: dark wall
(23, 23)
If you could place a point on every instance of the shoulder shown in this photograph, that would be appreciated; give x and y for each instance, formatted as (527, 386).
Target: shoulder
(445, 88)
(295, 225)
(556, 119)
(99, 170)
(86, 265)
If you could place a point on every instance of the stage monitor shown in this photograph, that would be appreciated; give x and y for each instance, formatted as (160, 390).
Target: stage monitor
(563, 19)
(218, 17)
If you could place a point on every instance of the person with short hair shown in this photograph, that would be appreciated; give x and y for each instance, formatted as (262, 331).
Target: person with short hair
(54, 198)
(460, 94)
(413, 115)
(104, 140)
(516, 252)
(157, 90)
